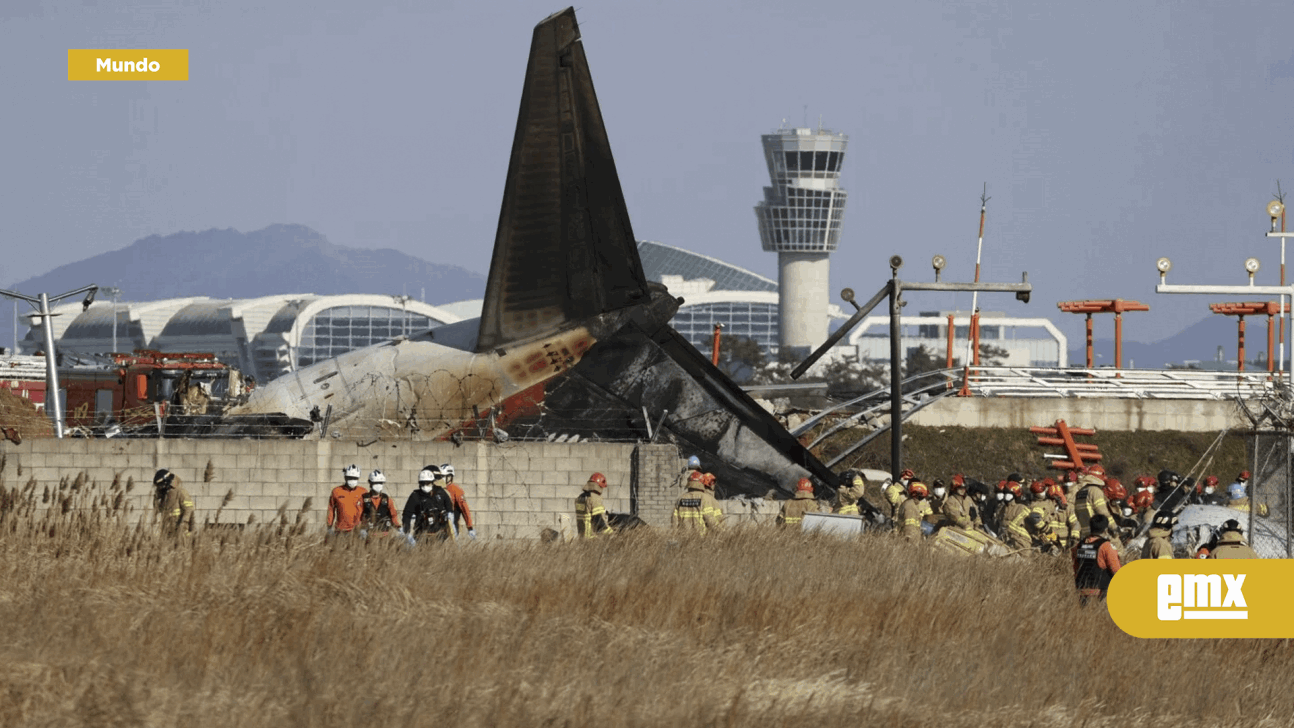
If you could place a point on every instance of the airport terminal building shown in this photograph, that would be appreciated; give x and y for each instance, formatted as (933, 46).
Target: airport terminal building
(264, 337)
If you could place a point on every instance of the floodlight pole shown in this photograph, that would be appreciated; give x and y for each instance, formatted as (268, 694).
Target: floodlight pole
(894, 290)
(41, 304)
(114, 292)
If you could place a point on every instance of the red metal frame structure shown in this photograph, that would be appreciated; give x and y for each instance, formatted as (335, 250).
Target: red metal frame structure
(1252, 308)
(1080, 454)
(714, 350)
(1117, 307)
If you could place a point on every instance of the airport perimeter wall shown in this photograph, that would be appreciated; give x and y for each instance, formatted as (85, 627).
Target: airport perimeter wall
(515, 490)
(1101, 413)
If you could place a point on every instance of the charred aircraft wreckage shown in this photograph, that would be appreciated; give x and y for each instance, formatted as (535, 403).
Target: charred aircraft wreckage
(569, 326)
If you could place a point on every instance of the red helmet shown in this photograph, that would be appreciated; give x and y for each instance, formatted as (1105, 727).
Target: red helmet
(1114, 490)
(1144, 481)
(917, 490)
(1209, 482)
(1001, 485)
(1098, 470)
(1014, 489)
(695, 476)
(907, 475)
(599, 479)
(1038, 487)
(1244, 475)
(708, 480)
(1142, 500)
(1070, 476)
(959, 481)
(1055, 491)
(805, 485)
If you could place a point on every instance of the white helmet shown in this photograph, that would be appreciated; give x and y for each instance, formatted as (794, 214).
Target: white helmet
(447, 470)
(351, 472)
(376, 477)
(428, 474)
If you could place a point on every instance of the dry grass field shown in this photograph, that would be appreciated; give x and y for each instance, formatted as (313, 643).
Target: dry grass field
(109, 624)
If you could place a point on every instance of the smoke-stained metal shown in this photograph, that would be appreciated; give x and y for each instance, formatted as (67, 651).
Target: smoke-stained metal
(564, 248)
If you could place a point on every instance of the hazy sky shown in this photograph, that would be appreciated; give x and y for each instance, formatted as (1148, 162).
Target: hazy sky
(1109, 133)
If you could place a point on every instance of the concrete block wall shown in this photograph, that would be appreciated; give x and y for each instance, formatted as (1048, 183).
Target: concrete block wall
(1129, 415)
(658, 482)
(514, 490)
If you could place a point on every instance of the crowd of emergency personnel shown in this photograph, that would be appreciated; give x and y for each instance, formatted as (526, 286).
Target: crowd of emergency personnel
(1084, 514)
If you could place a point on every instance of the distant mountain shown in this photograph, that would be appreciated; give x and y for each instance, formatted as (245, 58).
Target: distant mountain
(1198, 342)
(231, 264)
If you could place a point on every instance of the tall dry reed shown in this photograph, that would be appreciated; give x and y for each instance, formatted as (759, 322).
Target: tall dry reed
(110, 623)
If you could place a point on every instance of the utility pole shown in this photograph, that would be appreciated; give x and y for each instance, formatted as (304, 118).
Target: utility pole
(894, 290)
(114, 292)
(52, 406)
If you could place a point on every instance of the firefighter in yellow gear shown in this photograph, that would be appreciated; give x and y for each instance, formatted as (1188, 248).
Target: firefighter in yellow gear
(173, 502)
(912, 511)
(852, 486)
(710, 482)
(1157, 544)
(696, 509)
(1090, 501)
(1014, 531)
(958, 508)
(1064, 524)
(793, 510)
(897, 490)
(1042, 513)
(590, 515)
(1231, 544)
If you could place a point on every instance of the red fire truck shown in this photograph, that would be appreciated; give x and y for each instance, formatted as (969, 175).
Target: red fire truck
(136, 388)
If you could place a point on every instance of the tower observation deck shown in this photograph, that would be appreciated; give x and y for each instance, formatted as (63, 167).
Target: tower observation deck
(799, 219)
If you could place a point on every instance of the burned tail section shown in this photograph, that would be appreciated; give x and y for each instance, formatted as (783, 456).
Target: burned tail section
(564, 249)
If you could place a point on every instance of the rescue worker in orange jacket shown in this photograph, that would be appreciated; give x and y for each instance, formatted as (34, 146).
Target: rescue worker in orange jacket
(379, 512)
(1231, 544)
(1158, 545)
(793, 510)
(1014, 531)
(590, 515)
(912, 511)
(695, 510)
(958, 508)
(1096, 561)
(345, 505)
(174, 504)
(461, 511)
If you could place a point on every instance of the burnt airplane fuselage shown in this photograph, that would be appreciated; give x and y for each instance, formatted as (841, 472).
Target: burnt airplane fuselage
(566, 305)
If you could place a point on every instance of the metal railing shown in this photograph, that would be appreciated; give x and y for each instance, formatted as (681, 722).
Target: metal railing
(1122, 383)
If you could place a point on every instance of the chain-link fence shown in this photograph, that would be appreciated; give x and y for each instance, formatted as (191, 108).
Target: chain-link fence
(1269, 518)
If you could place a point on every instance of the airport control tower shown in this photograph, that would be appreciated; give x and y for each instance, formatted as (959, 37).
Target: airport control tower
(799, 219)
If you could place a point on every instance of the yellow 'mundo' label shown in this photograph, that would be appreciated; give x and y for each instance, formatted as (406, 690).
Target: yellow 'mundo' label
(1190, 598)
(128, 64)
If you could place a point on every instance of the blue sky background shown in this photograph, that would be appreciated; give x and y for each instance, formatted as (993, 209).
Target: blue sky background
(1109, 133)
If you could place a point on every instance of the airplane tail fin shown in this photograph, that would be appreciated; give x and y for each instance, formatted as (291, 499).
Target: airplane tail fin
(564, 249)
